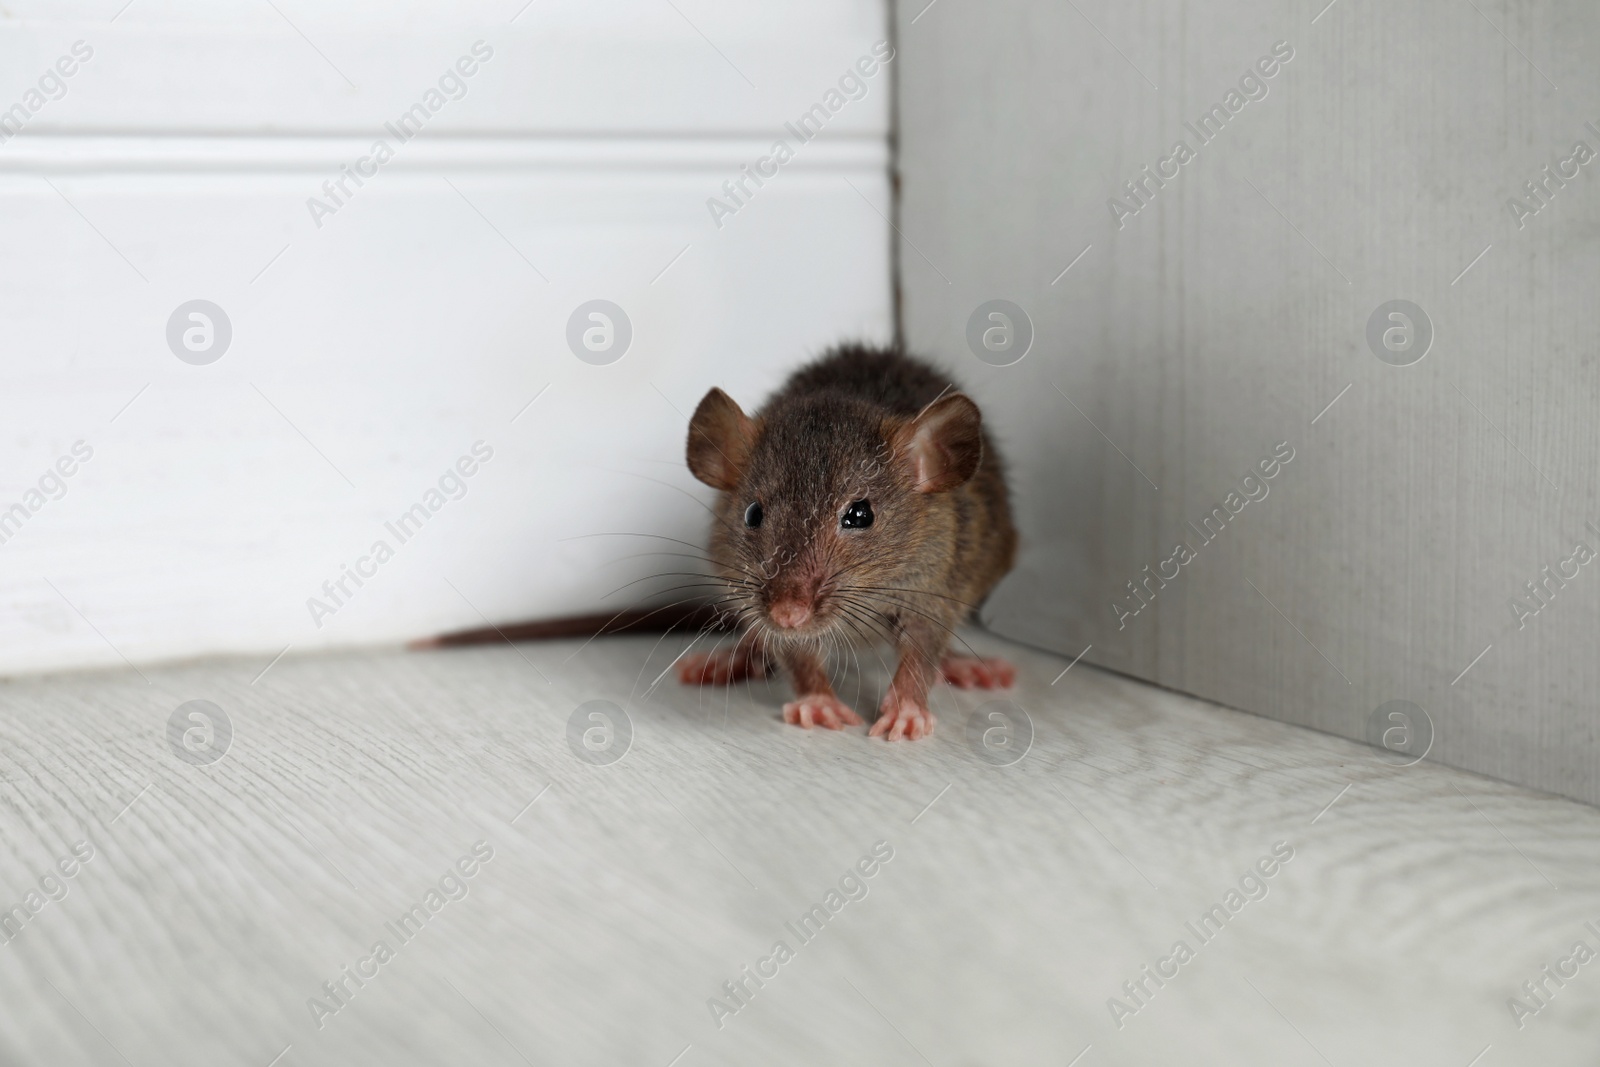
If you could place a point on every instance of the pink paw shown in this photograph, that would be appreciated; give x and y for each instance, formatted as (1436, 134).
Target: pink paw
(969, 672)
(722, 667)
(900, 719)
(820, 710)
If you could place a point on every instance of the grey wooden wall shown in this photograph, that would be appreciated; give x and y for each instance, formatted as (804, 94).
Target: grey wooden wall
(1224, 315)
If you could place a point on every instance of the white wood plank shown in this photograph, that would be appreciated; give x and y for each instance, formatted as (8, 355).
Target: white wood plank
(561, 66)
(372, 347)
(615, 906)
(379, 350)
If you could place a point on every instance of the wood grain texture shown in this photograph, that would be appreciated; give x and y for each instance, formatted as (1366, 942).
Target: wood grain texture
(1230, 312)
(1018, 899)
(372, 348)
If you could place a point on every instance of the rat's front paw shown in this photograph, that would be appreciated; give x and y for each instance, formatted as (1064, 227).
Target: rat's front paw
(969, 672)
(902, 719)
(820, 710)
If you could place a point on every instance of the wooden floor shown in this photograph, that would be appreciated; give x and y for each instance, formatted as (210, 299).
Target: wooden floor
(608, 902)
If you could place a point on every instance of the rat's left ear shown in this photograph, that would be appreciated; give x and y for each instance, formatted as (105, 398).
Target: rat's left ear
(942, 447)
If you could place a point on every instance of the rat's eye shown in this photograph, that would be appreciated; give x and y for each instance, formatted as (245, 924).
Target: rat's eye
(752, 514)
(858, 516)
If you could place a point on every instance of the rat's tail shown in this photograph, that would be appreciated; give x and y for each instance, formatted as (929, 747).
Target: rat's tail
(639, 620)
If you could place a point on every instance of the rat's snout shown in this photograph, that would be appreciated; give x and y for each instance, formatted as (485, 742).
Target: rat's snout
(790, 613)
(792, 597)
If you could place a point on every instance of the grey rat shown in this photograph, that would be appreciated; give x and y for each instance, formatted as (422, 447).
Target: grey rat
(864, 501)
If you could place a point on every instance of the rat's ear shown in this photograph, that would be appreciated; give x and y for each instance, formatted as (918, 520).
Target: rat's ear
(943, 446)
(719, 441)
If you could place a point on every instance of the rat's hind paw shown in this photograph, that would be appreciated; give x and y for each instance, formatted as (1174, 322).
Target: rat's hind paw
(820, 710)
(722, 667)
(969, 672)
(901, 719)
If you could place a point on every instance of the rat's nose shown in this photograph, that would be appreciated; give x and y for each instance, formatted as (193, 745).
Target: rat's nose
(790, 614)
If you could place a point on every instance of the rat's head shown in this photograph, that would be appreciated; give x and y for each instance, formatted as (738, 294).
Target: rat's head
(824, 498)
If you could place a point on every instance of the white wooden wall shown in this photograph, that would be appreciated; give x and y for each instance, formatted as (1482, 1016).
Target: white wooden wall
(1229, 312)
(371, 348)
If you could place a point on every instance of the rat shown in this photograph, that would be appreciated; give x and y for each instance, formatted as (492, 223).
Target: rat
(864, 502)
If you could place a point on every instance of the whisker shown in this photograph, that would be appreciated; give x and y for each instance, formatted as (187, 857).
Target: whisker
(856, 659)
(628, 533)
(651, 688)
(868, 638)
(646, 615)
(643, 555)
(920, 592)
(752, 621)
(646, 664)
(931, 618)
(712, 585)
(865, 618)
(711, 579)
(674, 488)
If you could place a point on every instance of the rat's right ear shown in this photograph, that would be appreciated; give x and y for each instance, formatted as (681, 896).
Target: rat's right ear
(719, 441)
